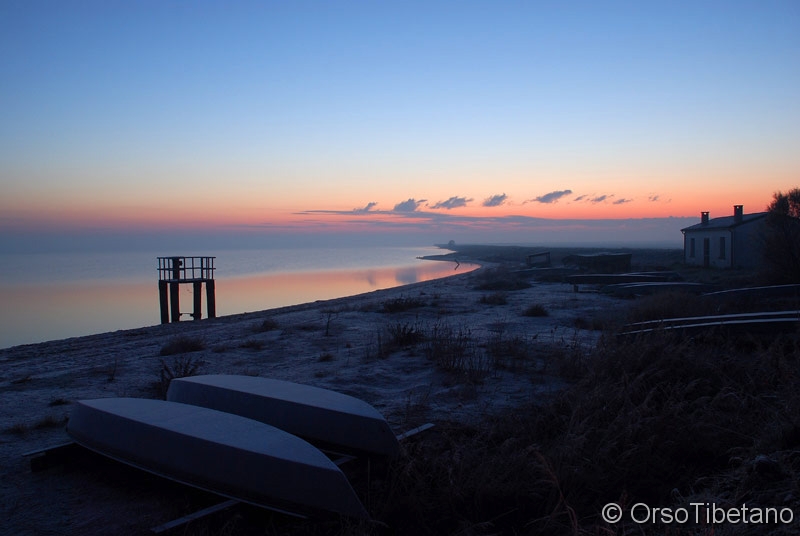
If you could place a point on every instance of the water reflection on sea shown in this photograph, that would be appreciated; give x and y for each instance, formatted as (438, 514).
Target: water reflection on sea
(36, 312)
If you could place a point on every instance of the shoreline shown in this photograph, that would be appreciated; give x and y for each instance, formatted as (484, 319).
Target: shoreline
(351, 344)
(47, 313)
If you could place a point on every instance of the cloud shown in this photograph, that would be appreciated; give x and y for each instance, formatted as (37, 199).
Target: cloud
(495, 200)
(552, 197)
(654, 197)
(453, 202)
(366, 209)
(622, 201)
(409, 205)
(580, 198)
(599, 198)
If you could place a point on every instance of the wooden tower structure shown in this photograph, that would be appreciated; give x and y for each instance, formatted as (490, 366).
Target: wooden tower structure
(172, 272)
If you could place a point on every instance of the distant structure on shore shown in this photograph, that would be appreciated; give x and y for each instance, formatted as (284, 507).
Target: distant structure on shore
(726, 242)
(172, 272)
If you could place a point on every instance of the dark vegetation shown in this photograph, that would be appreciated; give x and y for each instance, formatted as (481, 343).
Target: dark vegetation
(782, 240)
(180, 367)
(662, 421)
(268, 324)
(182, 345)
(534, 310)
(401, 304)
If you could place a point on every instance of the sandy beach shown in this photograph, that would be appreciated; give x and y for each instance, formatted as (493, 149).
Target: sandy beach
(521, 388)
(343, 344)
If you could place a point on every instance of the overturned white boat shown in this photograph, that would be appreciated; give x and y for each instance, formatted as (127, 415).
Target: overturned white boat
(223, 453)
(320, 415)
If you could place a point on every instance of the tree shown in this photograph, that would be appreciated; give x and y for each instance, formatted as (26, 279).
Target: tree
(786, 204)
(782, 238)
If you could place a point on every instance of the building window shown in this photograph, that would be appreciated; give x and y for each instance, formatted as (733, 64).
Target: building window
(691, 247)
(721, 247)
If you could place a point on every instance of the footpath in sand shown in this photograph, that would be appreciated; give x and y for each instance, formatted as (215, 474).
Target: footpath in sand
(363, 346)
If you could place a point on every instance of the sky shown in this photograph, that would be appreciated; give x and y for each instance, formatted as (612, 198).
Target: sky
(494, 121)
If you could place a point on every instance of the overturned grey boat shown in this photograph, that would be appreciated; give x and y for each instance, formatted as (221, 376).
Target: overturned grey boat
(319, 415)
(219, 452)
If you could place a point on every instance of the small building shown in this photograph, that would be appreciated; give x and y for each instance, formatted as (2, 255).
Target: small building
(728, 242)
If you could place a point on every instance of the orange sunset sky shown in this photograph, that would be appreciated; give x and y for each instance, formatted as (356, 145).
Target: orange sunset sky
(428, 120)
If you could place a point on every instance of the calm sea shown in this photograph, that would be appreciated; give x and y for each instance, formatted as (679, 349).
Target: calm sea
(55, 296)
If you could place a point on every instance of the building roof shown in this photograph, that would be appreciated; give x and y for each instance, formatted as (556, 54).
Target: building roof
(725, 222)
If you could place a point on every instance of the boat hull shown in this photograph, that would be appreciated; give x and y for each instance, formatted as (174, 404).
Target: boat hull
(226, 454)
(319, 415)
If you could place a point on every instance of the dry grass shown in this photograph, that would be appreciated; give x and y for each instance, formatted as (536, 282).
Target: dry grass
(663, 421)
(182, 345)
(181, 367)
(535, 310)
(402, 304)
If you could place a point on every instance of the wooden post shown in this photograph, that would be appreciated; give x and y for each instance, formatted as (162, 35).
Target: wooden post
(175, 288)
(174, 301)
(211, 300)
(197, 289)
(163, 301)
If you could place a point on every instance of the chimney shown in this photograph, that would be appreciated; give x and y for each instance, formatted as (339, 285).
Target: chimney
(704, 218)
(738, 212)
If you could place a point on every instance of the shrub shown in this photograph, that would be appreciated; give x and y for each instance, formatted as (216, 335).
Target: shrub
(252, 344)
(498, 298)
(454, 350)
(513, 353)
(182, 345)
(181, 367)
(405, 333)
(400, 304)
(535, 310)
(268, 324)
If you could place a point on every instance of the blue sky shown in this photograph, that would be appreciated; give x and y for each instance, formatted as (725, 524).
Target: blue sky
(284, 116)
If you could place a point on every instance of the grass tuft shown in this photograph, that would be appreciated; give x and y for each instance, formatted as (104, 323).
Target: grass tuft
(252, 344)
(182, 345)
(497, 298)
(401, 304)
(268, 324)
(535, 310)
(404, 334)
(181, 367)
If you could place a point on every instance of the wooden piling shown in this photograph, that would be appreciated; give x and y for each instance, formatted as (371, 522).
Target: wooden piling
(163, 301)
(197, 310)
(211, 300)
(175, 301)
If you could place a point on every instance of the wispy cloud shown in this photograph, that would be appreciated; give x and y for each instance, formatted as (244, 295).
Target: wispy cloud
(495, 200)
(580, 198)
(552, 197)
(366, 209)
(453, 202)
(599, 198)
(410, 205)
(653, 198)
(622, 201)
(444, 225)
